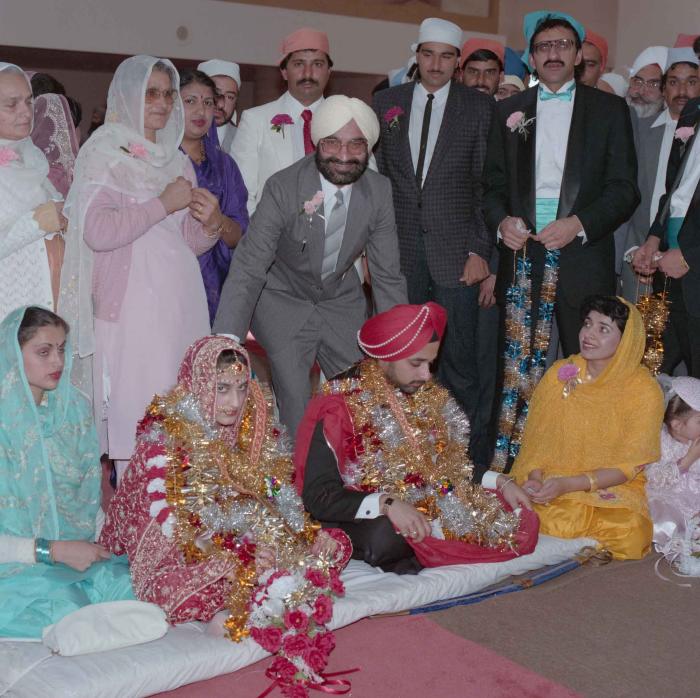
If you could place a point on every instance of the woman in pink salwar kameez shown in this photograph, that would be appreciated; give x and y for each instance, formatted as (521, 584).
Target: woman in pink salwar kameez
(209, 519)
(137, 224)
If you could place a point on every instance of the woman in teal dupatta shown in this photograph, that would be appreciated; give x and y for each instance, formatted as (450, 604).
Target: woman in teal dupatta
(49, 483)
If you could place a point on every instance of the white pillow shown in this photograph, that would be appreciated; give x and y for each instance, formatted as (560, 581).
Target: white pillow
(105, 626)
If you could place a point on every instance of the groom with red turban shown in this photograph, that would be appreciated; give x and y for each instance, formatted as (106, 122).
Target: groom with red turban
(382, 454)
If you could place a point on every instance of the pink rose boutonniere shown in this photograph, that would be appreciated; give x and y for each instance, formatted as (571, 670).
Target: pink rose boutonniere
(279, 121)
(392, 116)
(684, 134)
(517, 122)
(136, 150)
(568, 374)
(310, 207)
(7, 155)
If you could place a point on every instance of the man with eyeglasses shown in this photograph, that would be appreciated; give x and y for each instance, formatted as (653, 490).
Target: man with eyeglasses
(432, 148)
(227, 78)
(292, 279)
(654, 137)
(644, 93)
(560, 175)
(275, 135)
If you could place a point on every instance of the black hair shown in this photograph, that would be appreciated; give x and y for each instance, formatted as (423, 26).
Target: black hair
(285, 60)
(551, 22)
(228, 357)
(42, 83)
(483, 54)
(76, 110)
(696, 46)
(671, 67)
(197, 77)
(34, 319)
(610, 306)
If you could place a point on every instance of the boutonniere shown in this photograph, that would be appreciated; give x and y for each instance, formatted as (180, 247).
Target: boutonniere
(517, 122)
(279, 121)
(7, 155)
(569, 375)
(684, 134)
(310, 207)
(136, 150)
(391, 117)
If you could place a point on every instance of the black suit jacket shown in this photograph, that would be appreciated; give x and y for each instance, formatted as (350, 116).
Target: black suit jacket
(447, 212)
(689, 235)
(599, 185)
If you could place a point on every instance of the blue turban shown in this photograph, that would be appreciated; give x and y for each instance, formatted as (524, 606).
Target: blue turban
(533, 19)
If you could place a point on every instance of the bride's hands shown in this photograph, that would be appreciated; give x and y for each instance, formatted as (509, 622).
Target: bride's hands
(78, 554)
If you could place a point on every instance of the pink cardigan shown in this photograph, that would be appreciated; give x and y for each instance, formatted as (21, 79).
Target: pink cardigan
(112, 223)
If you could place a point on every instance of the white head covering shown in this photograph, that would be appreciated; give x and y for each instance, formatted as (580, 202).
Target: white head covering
(513, 80)
(218, 67)
(119, 157)
(440, 31)
(649, 56)
(687, 389)
(618, 83)
(24, 183)
(399, 76)
(680, 55)
(338, 110)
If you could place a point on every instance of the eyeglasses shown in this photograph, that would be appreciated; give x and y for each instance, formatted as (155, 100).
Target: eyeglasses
(642, 84)
(153, 94)
(558, 44)
(332, 146)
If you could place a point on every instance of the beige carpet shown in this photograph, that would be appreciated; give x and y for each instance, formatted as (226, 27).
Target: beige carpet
(615, 631)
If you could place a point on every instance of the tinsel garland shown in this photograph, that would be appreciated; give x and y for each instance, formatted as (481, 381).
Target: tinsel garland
(416, 447)
(525, 351)
(227, 501)
(654, 309)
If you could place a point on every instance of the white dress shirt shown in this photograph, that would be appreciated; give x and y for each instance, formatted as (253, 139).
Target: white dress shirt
(294, 109)
(666, 120)
(415, 123)
(680, 200)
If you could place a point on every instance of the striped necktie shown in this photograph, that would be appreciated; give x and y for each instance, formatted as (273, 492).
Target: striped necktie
(334, 235)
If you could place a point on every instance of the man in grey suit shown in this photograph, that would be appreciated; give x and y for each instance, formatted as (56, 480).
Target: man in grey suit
(292, 279)
(654, 136)
(433, 147)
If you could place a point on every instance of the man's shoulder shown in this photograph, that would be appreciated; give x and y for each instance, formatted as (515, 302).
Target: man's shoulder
(691, 111)
(517, 102)
(601, 101)
(262, 111)
(398, 93)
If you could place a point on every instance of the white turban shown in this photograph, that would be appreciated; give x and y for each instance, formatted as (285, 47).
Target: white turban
(218, 67)
(649, 56)
(337, 111)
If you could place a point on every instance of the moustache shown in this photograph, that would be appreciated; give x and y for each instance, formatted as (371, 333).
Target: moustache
(307, 81)
(546, 63)
(338, 161)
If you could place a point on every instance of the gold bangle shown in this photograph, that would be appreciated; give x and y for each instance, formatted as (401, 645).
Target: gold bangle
(593, 481)
(216, 233)
(685, 264)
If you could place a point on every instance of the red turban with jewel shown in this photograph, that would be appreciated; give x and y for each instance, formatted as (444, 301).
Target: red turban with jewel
(402, 331)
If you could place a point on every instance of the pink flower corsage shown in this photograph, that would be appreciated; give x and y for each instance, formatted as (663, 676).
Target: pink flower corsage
(684, 134)
(517, 122)
(569, 374)
(136, 150)
(310, 207)
(391, 117)
(279, 121)
(7, 155)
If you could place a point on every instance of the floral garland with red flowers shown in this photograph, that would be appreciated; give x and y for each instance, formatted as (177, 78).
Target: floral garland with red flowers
(215, 500)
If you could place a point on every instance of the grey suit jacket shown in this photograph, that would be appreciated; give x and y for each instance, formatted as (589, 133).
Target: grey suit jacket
(274, 283)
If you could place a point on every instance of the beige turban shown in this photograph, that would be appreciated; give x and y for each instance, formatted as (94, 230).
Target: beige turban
(338, 110)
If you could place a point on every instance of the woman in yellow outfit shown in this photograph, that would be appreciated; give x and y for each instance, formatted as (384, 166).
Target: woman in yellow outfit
(594, 422)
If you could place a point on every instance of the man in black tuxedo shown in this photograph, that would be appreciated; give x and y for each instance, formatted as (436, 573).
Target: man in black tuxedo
(432, 148)
(673, 244)
(561, 173)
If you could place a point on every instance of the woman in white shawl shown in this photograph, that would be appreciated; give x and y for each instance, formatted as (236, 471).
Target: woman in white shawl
(136, 224)
(30, 207)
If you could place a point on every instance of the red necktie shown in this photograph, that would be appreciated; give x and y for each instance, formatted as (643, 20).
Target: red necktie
(307, 115)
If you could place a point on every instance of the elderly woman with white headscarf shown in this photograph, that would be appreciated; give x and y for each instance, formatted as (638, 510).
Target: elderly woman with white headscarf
(139, 223)
(30, 207)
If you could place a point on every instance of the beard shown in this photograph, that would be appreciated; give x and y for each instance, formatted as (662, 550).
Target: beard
(646, 108)
(325, 167)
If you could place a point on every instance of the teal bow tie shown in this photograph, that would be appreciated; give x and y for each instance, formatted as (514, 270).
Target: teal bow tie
(566, 95)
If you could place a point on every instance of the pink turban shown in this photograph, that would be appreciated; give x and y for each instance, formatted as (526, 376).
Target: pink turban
(601, 44)
(304, 40)
(402, 331)
(476, 44)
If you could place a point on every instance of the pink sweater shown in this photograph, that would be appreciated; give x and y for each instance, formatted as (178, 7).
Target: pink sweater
(112, 223)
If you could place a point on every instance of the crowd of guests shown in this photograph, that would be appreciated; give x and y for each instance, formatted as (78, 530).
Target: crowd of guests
(483, 226)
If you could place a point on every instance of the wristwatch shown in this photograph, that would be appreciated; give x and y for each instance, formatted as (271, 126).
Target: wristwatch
(387, 503)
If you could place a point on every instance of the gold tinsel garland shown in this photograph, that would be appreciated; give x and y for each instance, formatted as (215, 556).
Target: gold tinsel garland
(203, 470)
(428, 453)
(654, 309)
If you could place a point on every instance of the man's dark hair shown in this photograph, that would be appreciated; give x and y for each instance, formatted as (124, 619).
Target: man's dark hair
(550, 22)
(483, 54)
(283, 64)
(696, 46)
(610, 306)
(43, 83)
(671, 67)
